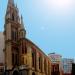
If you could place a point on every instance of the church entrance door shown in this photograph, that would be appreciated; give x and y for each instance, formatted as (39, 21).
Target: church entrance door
(33, 73)
(15, 73)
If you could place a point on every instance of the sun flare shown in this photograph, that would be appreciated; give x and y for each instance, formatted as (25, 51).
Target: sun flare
(60, 3)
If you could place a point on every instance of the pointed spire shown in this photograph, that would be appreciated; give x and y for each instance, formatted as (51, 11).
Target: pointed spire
(22, 24)
(17, 8)
(11, 2)
(11, 6)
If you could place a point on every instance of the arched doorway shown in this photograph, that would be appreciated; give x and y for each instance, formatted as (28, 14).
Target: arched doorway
(15, 72)
(33, 73)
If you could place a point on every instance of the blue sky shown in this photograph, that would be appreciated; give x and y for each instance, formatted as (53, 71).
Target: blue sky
(50, 24)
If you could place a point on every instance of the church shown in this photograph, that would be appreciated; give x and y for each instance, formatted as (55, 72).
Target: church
(21, 55)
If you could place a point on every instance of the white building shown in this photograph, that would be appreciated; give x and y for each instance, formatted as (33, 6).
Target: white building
(67, 65)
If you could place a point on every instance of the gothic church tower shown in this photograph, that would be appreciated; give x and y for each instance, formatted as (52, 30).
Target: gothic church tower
(22, 56)
(13, 31)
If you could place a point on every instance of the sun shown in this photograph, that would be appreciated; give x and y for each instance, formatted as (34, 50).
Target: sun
(59, 3)
(63, 3)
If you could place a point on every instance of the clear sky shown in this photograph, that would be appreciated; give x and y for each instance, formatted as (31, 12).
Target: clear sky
(50, 24)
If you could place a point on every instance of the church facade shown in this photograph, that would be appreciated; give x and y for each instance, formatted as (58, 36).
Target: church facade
(22, 56)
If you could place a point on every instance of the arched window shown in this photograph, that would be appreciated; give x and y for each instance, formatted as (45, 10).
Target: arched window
(13, 60)
(33, 59)
(22, 47)
(25, 48)
(45, 65)
(40, 62)
(14, 35)
(15, 57)
(13, 18)
(22, 60)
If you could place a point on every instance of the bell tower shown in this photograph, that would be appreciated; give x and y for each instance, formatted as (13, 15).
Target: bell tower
(13, 31)
(12, 12)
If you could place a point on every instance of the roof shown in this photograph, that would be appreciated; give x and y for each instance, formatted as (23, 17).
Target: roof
(36, 47)
(1, 47)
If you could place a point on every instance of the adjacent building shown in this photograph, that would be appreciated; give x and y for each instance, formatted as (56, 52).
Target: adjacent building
(67, 66)
(73, 69)
(56, 68)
